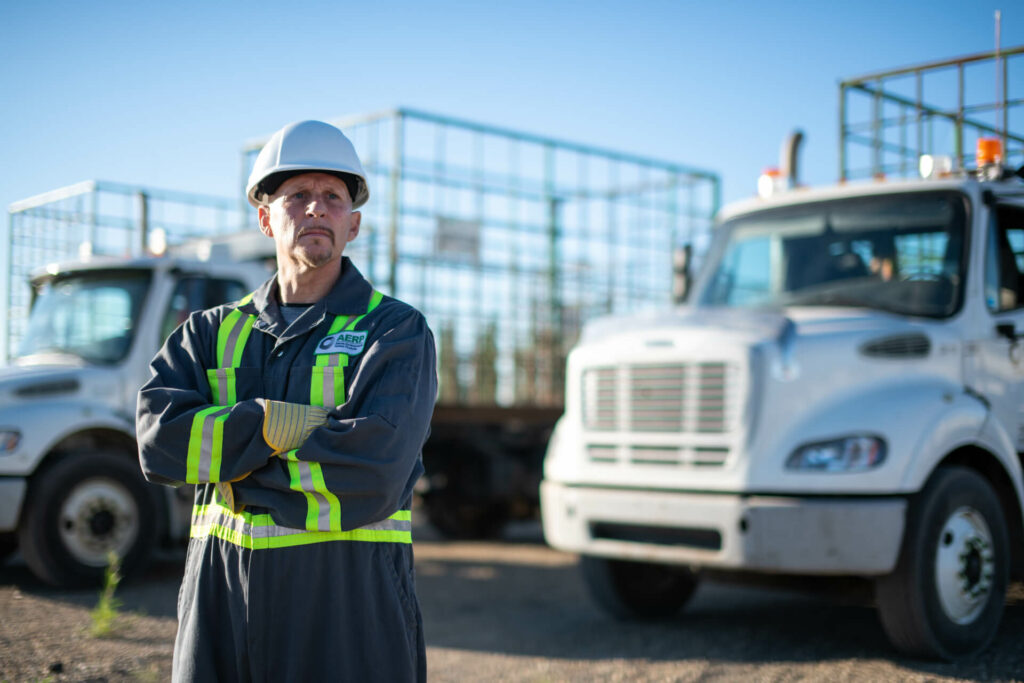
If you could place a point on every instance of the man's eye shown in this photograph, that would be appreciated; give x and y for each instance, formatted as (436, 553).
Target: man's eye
(299, 195)
(333, 195)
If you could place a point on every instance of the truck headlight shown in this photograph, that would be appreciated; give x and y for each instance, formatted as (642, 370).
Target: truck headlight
(9, 440)
(849, 454)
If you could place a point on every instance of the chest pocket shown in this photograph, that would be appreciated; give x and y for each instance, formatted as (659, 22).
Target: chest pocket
(327, 381)
(232, 335)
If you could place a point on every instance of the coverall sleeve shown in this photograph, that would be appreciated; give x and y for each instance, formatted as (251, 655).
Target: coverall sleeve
(369, 450)
(183, 437)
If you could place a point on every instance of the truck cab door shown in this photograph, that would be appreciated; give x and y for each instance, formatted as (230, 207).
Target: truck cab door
(1001, 340)
(195, 292)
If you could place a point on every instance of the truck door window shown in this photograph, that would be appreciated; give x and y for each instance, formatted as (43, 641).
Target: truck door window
(195, 294)
(1004, 260)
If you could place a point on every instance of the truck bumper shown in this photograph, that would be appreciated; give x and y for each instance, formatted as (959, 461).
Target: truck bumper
(12, 495)
(782, 534)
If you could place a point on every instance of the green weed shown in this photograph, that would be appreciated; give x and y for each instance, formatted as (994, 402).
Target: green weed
(105, 614)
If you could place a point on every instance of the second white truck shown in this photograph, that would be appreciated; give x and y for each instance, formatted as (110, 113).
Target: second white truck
(842, 396)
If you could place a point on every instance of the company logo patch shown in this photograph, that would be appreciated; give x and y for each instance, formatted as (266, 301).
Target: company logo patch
(342, 342)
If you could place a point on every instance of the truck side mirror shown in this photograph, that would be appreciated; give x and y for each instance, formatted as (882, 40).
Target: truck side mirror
(681, 258)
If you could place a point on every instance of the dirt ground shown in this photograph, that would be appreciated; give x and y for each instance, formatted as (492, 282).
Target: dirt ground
(514, 611)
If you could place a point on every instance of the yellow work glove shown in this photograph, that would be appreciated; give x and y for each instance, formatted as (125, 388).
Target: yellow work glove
(288, 425)
(228, 496)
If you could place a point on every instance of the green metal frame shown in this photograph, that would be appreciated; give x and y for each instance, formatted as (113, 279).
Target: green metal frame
(98, 218)
(900, 115)
(555, 232)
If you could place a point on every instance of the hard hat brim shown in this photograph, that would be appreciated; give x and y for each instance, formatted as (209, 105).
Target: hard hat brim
(269, 185)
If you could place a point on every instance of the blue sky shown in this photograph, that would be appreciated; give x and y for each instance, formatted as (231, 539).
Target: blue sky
(164, 94)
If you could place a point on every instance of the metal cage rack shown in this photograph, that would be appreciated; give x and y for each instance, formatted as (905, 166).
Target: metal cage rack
(887, 120)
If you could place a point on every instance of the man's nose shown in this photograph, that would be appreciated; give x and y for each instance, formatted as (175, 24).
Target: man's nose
(316, 207)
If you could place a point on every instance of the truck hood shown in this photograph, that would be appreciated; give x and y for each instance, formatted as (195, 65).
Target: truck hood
(48, 382)
(748, 327)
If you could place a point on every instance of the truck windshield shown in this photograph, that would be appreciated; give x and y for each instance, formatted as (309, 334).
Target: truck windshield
(91, 315)
(899, 253)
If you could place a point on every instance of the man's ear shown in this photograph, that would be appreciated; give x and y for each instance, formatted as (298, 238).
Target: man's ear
(353, 228)
(263, 213)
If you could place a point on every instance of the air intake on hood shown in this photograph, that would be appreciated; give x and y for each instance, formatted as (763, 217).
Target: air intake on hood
(58, 386)
(899, 346)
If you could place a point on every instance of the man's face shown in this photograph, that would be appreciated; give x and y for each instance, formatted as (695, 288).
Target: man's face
(311, 220)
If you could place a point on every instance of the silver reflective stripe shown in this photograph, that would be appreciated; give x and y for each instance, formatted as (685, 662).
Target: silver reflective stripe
(275, 531)
(215, 514)
(207, 445)
(222, 384)
(229, 346)
(323, 515)
(330, 400)
(390, 525)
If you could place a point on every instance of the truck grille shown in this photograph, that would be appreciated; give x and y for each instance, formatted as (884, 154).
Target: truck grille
(694, 457)
(685, 398)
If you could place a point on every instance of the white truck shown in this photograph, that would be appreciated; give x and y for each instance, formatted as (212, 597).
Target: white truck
(70, 486)
(842, 395)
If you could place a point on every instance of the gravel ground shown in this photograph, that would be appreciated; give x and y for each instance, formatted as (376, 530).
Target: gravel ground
(514, 611)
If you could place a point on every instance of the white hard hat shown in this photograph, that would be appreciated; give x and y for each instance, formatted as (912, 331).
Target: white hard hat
(306, 147)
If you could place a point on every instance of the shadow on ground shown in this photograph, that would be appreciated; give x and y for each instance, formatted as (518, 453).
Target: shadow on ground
(523, 608)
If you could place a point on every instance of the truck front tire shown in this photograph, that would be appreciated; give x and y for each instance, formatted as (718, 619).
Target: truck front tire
(637, 590)
(946, 596)
(81, 507)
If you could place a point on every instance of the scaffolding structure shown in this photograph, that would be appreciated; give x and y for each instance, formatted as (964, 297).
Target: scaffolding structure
(509, 241)
(887, 120)
(95, 218)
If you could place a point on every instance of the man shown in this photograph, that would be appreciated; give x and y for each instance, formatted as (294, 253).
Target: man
(300, 413)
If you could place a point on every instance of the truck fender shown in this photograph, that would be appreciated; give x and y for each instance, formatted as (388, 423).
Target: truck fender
(962, 422)
(992, 437)
(922, 420)
(43, 425)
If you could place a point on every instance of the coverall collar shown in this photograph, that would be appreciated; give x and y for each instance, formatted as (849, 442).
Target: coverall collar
(350, 295)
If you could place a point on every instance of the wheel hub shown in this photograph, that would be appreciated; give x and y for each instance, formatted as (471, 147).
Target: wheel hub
(97, 517)
(964, 565)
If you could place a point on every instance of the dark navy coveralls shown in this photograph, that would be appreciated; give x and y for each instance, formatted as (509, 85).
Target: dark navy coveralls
(313, 578)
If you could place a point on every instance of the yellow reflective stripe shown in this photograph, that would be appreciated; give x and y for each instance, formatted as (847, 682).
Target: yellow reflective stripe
(296, 470)
(305, 538)
(222, 385)
(323, 509)
(259, 532)
(327, 384)
(339, 324)
(375, 300)
(243, 336)
(333, 517)
(232, 335)
(204, 445)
